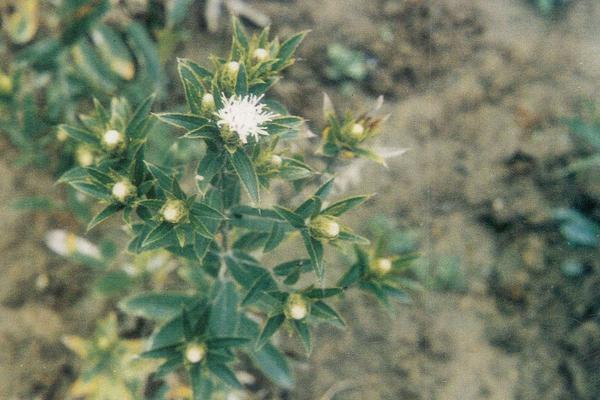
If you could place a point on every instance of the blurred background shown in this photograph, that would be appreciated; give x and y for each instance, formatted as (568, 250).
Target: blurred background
(499, 193)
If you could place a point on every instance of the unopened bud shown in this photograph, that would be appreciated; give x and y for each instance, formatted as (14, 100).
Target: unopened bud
(296, 307)
(357, 131)
(381, 266)
(260, 55)
(208, 102)
(84, 156)
(6, 85)
(174, 211)
(232, 68)
(123, 190)
(61, 135)
(112, 139)
(195, 352)
(276, 161)
(324, 227)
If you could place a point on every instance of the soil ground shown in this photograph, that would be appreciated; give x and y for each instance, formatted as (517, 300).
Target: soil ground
(476, 90)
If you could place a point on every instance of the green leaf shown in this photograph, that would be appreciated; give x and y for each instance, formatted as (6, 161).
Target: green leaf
(206, 132)
(269, 330)
(104, 214)
(155, 305)
(349, 236)
(275, 237)
(315, 251)
(164, 180)
(287, 49)
(199, 227)
(137, 123)
(158, 233)
(310, 208)
(80, 135)
(238, 33)
(322, 310)
(146, 54)
(202, 386)
(294, 219)
(92, 189)
(186, 121)
(113, 51)
(343, 206)
(241, 84)
(177, 11)
(302, 329)
(245, 170)
(169, 366)
(162, 352)
(226, 342)
(261, 284)
(322, 293)
(351, 276)
(225, 374)
(325, 189)
(224, 316)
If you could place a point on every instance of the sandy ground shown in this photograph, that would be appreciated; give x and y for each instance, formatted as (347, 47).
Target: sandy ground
(476, 90)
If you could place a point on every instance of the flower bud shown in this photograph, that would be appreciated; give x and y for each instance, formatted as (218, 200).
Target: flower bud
(296, 307)
(324, 227)
(232, 68)
(113, 139)
(6, 85)
(356, 132)
(276, 161)
(174, 211)
(61, 135)
(84, 156)
(123, 190)
(208, 102)
(381, 266)
(195, 352)
(260, 55)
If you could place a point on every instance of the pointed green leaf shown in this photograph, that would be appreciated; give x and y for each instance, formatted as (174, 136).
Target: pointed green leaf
(158, 233)
(225, 374)
(302, 329)
(104, 214)
(342, 206)
(155, 305)
(315, 251)
(269, 329)
(245, 170)
(294, 219)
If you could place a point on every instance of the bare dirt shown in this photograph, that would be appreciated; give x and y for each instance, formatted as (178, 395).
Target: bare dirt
(477, 90)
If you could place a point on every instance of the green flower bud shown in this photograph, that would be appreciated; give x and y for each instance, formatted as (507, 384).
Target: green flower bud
(296, 307)
(113, 140)
(6, 85)
(123, 190)
(174, 211)
(356, 132)
(61, 135)
(276, 161)
(381, 266)
(260, 55)
(324, 227)
(208, 102)
(232, 68)
(84, 156)
(195, 352)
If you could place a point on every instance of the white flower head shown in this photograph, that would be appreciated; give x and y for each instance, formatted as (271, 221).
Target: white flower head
(245, 115)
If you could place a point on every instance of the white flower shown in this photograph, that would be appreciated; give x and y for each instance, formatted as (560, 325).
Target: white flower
(245, 116)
